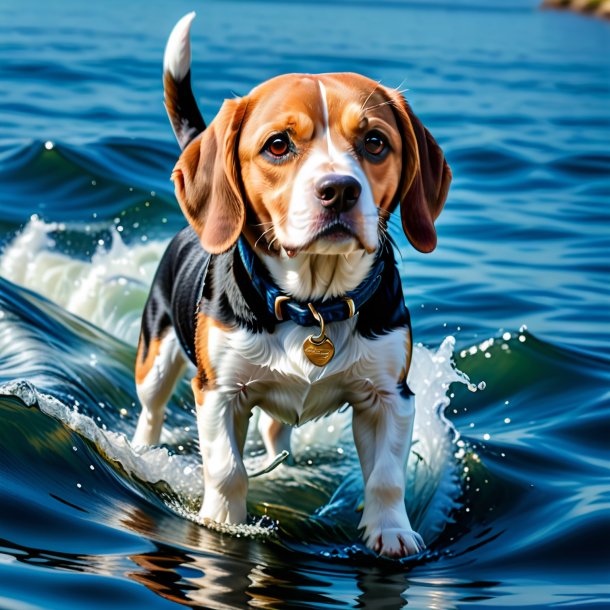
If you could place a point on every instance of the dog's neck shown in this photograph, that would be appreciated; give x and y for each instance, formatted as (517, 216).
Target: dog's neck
(316, 277)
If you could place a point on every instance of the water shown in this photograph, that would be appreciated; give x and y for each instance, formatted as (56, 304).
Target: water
(509, 483)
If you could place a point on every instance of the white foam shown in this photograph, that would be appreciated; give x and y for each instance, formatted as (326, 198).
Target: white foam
(109, 290)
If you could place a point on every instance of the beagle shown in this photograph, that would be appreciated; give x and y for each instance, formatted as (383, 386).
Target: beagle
(283, 290)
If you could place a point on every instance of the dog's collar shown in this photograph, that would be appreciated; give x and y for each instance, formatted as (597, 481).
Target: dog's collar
(282, 307)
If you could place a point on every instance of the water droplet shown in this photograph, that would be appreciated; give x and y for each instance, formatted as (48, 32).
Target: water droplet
(506, 336)
(482, 385)
(507, 420)
(522, 338)
(486, 436)
(79, 485)
(49, 145)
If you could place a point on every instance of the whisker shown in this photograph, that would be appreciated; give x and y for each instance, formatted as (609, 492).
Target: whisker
(262, 235)
(261, 224)
(386, 103)
(362, 107)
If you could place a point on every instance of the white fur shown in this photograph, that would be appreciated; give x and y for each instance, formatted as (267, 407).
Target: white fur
(177, 57)
(324, 269)
(332, 151)
(156, 389)
(319, 276)
(304, 206)
(271, 371)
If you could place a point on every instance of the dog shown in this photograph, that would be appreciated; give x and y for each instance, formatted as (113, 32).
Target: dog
(283, 289)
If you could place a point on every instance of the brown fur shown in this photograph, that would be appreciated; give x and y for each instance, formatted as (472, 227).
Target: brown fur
(206, 373)
(221, 173)
(207, 181)
(144, 363)
(425, 180)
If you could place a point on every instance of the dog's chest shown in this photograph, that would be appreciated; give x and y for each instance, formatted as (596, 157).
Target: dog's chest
(271, 370)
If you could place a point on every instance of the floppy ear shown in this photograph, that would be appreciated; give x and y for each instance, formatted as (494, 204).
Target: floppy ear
(207, 181)
(425, 179)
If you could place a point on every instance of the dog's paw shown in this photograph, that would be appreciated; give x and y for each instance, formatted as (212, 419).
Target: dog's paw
(221, 509)
(396, 542)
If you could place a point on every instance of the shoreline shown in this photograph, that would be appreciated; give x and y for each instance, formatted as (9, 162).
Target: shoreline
(595, 8)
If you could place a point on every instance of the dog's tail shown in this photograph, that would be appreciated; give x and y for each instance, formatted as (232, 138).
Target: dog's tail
(180, 103)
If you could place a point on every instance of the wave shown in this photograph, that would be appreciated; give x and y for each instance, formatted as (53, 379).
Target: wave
(109, 289)
(79, 376)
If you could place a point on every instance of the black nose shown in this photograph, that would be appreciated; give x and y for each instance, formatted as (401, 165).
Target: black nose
(338, 192)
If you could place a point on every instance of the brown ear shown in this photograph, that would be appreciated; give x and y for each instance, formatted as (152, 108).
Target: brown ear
(207, 183)
(425, 179)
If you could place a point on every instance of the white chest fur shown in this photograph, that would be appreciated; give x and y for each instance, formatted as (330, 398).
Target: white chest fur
(271, 371)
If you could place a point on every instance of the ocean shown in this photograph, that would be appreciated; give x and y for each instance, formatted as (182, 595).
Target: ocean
(509, 472)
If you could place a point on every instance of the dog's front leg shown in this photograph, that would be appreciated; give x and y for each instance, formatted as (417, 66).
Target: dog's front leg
(223, 424)
(383, 425)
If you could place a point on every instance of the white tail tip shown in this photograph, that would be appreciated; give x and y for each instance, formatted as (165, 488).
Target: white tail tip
(177, 58)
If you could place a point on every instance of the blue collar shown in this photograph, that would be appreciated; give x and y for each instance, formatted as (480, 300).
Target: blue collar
(281, 307)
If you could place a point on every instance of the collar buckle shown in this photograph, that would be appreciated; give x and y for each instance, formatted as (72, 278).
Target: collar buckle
(277, 306)
(350, 306)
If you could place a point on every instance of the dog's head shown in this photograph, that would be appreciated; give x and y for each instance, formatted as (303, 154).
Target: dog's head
(313, 163)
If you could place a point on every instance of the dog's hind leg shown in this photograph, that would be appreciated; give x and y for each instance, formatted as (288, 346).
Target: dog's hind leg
(275, 435)
(160, 364)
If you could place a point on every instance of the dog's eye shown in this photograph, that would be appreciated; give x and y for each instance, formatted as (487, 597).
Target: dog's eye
(375, 144)
(278, 145)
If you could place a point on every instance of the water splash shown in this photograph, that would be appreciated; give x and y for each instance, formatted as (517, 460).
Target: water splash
(109, 289)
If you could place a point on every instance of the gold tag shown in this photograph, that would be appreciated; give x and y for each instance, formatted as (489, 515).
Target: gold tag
(319, 352)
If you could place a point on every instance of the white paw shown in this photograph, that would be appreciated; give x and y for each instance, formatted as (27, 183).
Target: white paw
(221, 509)
(396, 542)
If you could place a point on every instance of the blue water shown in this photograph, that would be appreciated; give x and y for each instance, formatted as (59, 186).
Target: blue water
(512, 491)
